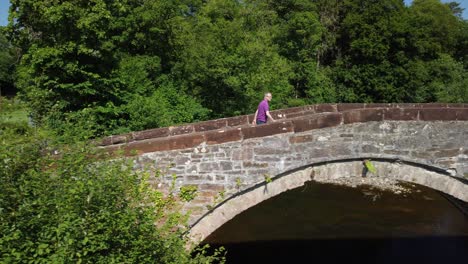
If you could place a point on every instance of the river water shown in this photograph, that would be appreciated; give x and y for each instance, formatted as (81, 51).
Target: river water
(330, 223)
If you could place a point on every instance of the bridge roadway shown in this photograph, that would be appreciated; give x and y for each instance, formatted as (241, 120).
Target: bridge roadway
(236, 165)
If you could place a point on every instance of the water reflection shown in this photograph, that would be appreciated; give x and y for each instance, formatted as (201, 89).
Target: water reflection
(334, 223)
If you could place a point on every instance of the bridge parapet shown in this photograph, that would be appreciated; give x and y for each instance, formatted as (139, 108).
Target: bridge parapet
(298, 119)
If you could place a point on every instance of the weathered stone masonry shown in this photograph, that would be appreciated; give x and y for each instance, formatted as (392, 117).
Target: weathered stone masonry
(230, 156)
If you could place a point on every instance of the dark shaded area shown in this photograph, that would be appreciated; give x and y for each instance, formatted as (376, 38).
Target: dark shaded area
(391, 250)
(334, 223)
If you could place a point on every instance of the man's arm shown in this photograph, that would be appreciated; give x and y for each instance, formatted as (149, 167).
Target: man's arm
(269, 116)
(254, 122)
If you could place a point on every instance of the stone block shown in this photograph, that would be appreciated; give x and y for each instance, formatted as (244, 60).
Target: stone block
(119, 139)
(443, 153)
(250, 118)
(405, 105)
(439, 114)
(455, 105)
(339, 150)
(370, 149)
(181, 160)
(210, 125)
(242, 154)
(345, 107)
(151, 133)
(237, 121)
(289, 110)
(208, 166)
(162, 144)
(316, 122)
(319, 153)
(180, 130)
(223, 136)
(267, 129)
(295, 115)
(394, 114)
(432, 105)
(301, 139)
(225, 165)
(220, 178)
(320, 108)
(362, 115)
(211, 187)
(270, 151)
(373, 105)
(462, 114)
(249, 164)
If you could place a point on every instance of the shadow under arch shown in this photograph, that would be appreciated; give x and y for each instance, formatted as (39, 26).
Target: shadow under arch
(427, 175)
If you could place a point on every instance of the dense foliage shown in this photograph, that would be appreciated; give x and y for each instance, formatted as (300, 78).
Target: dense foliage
(123, 65)
(8, 61)
(59, 206)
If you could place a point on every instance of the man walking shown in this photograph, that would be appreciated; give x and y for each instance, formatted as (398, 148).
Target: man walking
(263, 111)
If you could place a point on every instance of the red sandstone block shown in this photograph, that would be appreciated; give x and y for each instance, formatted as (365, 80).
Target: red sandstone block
(267, 130)
(210, 125)
(295, 115)
(316, 122)
(223, 136)
(151, 133)
(278, 115)
(344, 107)
(380, 105)
(161, 144)
(455, 105)
(462, 114)
(237, 121)
(152, 145)
(401, 114)
(290, 110)
(405, 105)
(320, 108)
(308, 108)
(188, 141)
(362, 115)
(250, 117)
(432, 105)
(121, 138)
(180, 130)
(429, 114)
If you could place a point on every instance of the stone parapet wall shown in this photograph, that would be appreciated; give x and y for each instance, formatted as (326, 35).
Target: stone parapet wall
(186, 137)
(281, 114)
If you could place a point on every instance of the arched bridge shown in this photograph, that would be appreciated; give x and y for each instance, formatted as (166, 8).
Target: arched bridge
(235, 165)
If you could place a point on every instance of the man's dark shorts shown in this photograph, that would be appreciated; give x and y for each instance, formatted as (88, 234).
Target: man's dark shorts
(260, 122)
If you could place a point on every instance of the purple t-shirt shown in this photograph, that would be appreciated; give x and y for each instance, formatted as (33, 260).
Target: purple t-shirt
(262, 109)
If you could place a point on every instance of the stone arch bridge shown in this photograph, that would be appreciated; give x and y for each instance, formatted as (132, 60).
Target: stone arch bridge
(235, 165)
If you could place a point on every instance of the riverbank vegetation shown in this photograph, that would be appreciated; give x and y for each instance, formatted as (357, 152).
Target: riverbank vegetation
(58, 205)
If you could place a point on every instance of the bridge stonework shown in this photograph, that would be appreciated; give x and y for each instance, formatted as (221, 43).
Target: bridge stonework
(235, 165)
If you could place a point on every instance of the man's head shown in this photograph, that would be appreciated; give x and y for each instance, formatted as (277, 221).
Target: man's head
(267, 96)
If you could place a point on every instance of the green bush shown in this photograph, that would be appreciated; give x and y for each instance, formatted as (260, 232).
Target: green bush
(58, 204)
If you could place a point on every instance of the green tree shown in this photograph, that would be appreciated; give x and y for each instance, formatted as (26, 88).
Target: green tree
(69, 204)
(78, 57)
(228, 59)
(8, 60)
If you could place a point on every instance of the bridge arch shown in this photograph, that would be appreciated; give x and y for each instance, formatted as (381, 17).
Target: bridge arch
(409, 171)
